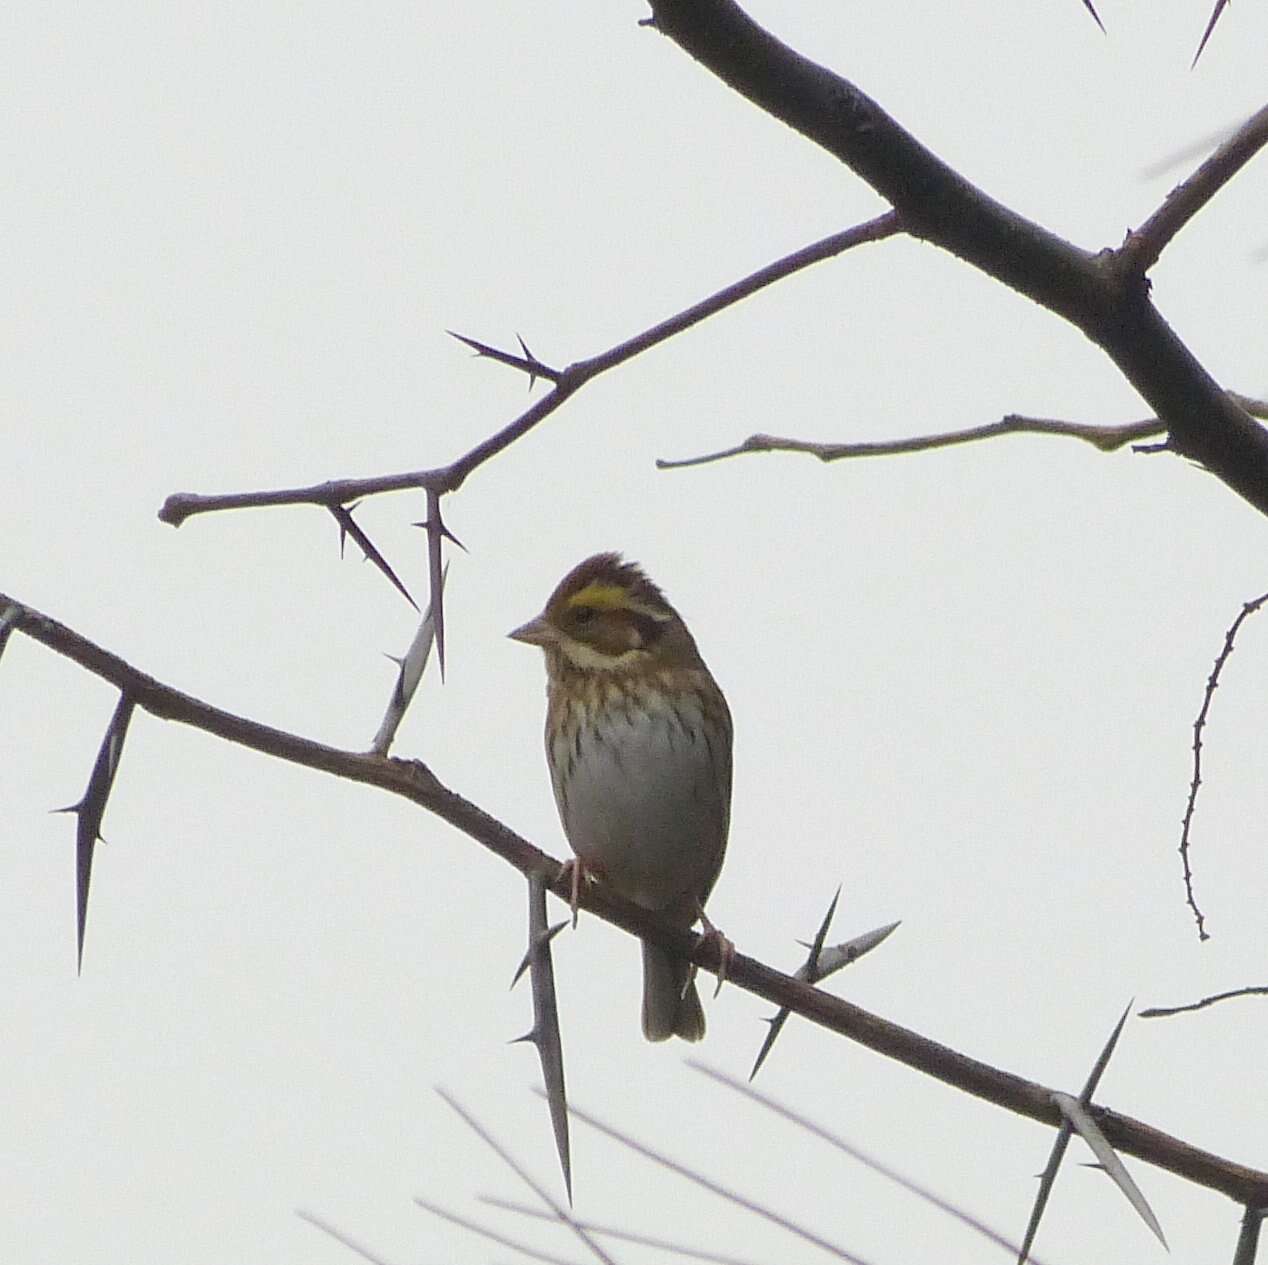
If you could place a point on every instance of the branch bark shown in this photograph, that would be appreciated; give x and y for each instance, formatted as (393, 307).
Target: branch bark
(414, 781)
(1105, 295)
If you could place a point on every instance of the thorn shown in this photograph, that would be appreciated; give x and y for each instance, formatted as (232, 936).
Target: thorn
(480, 349)
(533, 363)
(348, 527)
(543, 938)
(1210, 26)
(530, 1036)
(444, 531)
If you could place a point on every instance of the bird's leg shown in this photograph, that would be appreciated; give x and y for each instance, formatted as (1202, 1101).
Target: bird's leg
(577, 872)
(726, 950)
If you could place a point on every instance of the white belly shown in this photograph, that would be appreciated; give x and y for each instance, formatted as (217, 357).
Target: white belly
(645, 802)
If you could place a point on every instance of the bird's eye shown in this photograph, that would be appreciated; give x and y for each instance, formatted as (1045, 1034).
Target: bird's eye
(583, 615)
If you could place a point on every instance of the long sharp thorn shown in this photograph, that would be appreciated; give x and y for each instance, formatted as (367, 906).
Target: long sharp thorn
(91, 809)
(1098, 1068)
(1087, 1128)
(444, 531)
(480, 349)
(85, 843)
(348, 527)
(531, 360)
(434, 568)
(1046, 1180)
(776, 1022)
(1210, 26)
(822, 933)
(538, 941)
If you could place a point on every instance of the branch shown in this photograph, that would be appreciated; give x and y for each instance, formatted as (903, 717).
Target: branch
(1106, 438)
(567, 381)
(1208, 696)
(1160, 1012)
(1144, 245)
(1094, 292)
(414, 781)
(335, 494)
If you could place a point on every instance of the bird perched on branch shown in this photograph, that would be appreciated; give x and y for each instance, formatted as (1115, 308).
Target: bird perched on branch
(638, 740)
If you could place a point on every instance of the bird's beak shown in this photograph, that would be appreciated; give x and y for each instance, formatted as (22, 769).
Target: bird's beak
(537, 632)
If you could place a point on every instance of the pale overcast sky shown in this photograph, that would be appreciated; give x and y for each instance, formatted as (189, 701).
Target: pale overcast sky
(232, 237)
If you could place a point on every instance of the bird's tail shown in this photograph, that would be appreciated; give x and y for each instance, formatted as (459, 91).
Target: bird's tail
(671, 1005)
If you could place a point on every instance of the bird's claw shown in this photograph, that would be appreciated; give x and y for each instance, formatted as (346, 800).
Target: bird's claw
(576, 872)
(726, 950)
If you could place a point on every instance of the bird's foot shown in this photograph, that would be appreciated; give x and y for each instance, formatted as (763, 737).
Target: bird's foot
(576, 872)
(726, 950)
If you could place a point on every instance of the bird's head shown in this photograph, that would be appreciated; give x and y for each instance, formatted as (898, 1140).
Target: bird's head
(605, 615)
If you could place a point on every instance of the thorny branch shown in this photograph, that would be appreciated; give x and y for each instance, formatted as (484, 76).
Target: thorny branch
(1208, 695)
(414, 781)
(1102, 294)
(441, 480)
(437, 482)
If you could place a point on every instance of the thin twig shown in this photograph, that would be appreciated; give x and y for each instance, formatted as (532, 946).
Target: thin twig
(1142, 247)
(443, 479)
(1212, 683)
(1111, 306)
(518, 1169)
(493, 1236)
(336, 494)
(707, 1183)
(1160, 1012)
(624, 1236)
(877, 1166)
(340, 1237)
(1106, 438)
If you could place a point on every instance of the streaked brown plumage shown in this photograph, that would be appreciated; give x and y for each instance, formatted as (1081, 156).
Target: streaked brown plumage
(638, 740)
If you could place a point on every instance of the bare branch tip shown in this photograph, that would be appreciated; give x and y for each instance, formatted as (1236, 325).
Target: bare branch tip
(173, 511)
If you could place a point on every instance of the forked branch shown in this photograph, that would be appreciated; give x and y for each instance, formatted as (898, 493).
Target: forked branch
(441, 480)
(1098, 293)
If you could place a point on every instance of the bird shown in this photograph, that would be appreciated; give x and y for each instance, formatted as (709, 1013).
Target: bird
(638, 743)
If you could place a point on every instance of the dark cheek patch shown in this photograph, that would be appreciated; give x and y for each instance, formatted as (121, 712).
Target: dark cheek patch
(626, 630)
(645, 631)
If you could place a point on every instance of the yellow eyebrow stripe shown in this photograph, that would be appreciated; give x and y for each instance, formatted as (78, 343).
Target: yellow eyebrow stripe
(612, 597)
